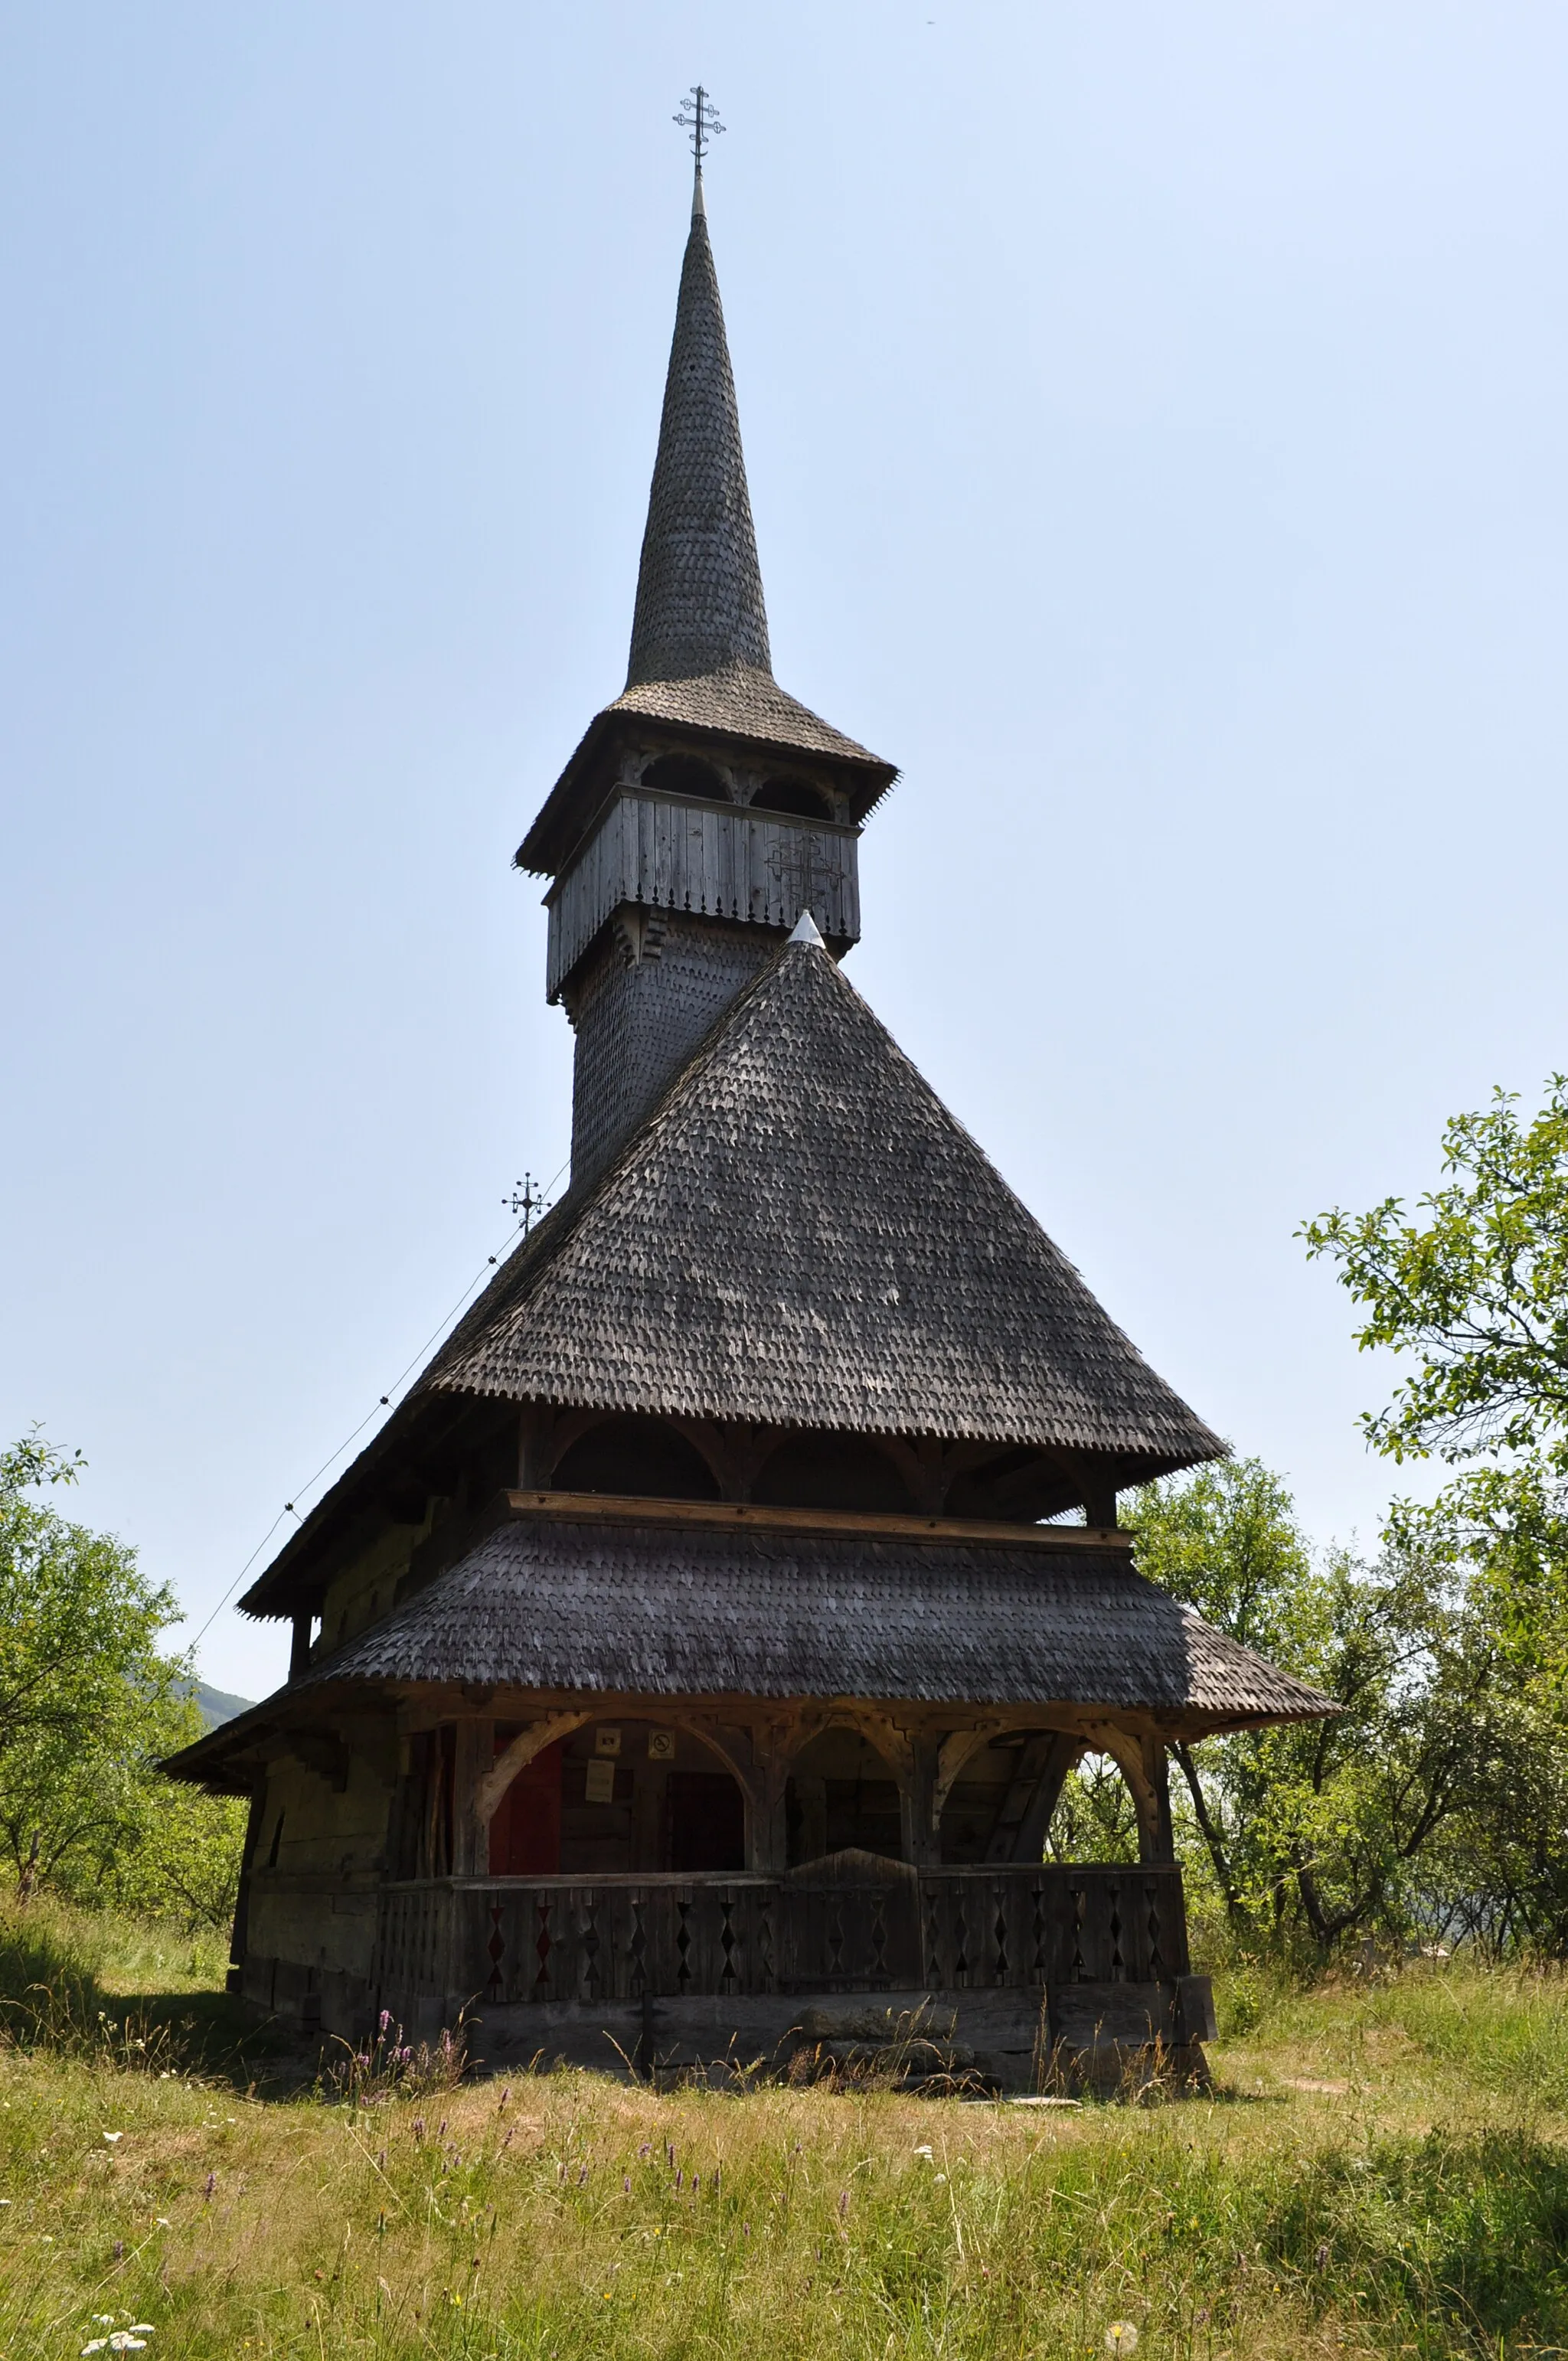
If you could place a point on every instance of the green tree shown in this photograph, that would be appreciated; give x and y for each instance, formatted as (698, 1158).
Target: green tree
(1475, 1290)
(88, 1704)
(1470, 1293)
(1324, 1828)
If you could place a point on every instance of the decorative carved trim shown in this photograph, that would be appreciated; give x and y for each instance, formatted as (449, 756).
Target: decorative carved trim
(639, 933)
(489, 1789)
(951, 1755)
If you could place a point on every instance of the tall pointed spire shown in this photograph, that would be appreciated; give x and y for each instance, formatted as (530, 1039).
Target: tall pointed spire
(700, 668)
(699, 589)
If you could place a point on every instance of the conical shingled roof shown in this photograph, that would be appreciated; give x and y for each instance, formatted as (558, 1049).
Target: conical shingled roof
(699, 589)
(801, 1234)
(700, 658)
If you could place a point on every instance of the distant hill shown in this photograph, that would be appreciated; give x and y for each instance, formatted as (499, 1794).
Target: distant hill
(216, 1705)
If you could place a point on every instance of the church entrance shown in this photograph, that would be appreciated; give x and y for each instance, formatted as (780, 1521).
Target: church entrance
(525, 1834)
(617, 1799)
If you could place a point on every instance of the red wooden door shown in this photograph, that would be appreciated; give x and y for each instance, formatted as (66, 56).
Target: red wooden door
(525, 1834)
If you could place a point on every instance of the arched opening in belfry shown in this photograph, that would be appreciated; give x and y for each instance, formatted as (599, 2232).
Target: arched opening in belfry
(618, 1797)
(797, 797)
(640, 1456)
(687, 774)
(831, 1471)
(841, 1794)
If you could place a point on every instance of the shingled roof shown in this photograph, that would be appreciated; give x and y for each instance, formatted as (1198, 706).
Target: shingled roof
(803, 1236)
(699, 658)
(699, 587)
(607, 1604)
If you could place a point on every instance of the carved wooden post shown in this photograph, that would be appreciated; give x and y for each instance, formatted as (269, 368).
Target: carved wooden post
(1157, 1761)
(470, 1833)
(916, 1794)
(768, 1838)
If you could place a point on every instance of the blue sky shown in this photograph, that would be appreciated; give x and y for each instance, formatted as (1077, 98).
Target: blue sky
(1155, 421)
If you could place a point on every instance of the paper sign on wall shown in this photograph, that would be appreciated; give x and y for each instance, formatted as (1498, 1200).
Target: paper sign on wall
(600, 1786)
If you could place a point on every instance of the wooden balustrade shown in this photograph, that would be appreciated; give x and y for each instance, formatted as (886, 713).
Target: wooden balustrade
(562, 1940)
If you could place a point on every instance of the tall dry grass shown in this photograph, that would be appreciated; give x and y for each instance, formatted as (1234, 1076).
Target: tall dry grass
(1381, 2171)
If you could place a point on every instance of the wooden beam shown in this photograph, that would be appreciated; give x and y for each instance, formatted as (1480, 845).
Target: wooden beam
(617, 1507)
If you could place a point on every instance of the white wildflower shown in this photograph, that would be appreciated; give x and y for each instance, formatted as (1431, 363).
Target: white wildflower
(162, 2223)
(112, 2136)
(94, 2344)
(1120, 2337)
(924, 2151)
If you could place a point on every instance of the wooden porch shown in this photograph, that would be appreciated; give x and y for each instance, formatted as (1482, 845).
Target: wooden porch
(671, 1968)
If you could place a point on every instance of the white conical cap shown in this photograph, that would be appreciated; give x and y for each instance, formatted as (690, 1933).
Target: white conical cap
(806, 931)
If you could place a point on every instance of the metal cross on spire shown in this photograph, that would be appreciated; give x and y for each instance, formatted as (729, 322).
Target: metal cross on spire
(700, 117)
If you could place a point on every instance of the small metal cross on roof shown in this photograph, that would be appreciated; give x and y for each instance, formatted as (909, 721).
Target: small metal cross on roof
(700, 117)
(526, 1202)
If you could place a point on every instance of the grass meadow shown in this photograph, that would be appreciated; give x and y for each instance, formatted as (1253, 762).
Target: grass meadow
(1381, 2169)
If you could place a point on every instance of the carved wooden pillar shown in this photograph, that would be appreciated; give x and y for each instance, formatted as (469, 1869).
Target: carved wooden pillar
(1162, 1835)
(767, 1848)
(471, 1832)
(916, 1795)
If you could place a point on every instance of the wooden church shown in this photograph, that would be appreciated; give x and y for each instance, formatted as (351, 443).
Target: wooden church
(701, 1646)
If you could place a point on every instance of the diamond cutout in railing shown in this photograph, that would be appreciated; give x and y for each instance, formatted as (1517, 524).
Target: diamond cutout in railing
(1079, 1971)
(1039, 1931)
(934, 1939)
